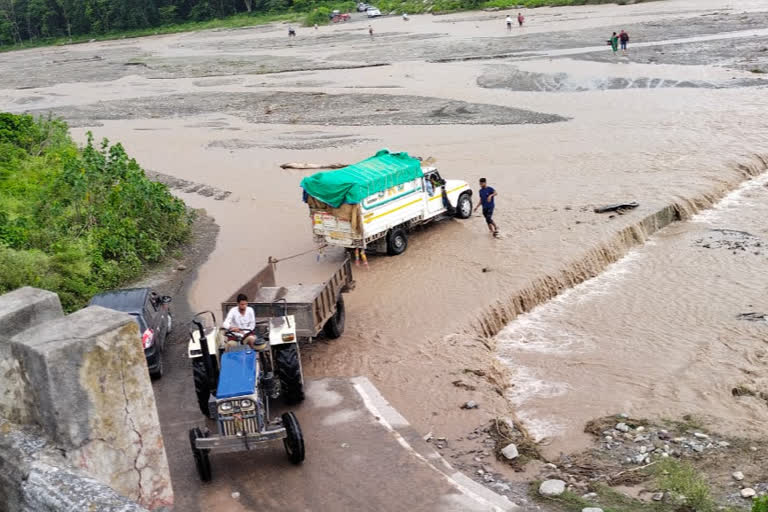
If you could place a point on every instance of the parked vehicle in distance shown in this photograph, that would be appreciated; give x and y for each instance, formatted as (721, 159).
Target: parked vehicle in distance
(374, 203)
(341, 17)
(362, 7)
(152, 314)
(373, 12)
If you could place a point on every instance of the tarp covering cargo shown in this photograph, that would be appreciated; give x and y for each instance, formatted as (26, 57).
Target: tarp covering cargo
(355, 182)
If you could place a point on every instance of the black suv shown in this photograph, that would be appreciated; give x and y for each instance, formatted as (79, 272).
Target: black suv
(152, 315)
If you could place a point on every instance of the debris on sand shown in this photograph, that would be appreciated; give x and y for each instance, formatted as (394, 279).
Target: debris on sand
(619, 207)
(470, 405)
(304, 165)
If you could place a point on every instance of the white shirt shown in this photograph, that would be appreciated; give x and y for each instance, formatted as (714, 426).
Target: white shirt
(246, 322)
(509, 20)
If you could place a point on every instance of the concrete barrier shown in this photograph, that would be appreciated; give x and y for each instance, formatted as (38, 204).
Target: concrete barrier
(82, 379)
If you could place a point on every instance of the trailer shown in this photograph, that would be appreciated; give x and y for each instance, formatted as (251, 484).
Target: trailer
(316, 307)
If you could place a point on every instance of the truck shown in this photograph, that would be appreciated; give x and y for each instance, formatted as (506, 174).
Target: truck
(285, 315)
(373, 204)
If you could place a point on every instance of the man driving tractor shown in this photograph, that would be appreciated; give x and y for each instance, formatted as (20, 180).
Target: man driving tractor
(241, 319)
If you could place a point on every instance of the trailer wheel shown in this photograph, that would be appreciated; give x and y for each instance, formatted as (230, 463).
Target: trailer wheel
(334, 327)
(202, 389)
(289, 372)
(294, 440)
(202, 462)
(464, 208)
(397, 242)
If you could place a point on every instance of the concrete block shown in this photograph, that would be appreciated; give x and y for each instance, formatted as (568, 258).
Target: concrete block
(95, 400)
(27, 307)
(20, 310)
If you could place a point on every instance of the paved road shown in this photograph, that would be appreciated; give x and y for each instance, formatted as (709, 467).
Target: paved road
(361, 456)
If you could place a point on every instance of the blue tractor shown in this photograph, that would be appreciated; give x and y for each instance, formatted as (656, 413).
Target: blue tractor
(241, 409)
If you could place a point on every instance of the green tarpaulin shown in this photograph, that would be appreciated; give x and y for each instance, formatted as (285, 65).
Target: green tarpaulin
(355, 182)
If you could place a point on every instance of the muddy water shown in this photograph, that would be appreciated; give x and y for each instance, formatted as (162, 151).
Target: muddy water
(409, 316)
(660, 334)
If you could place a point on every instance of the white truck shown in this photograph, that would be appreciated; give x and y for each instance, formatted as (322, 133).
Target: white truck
(374, 203)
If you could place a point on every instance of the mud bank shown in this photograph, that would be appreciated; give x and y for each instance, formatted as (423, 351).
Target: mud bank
(308, 109)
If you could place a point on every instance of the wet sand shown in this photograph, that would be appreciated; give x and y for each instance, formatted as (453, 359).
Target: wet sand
(223, 109)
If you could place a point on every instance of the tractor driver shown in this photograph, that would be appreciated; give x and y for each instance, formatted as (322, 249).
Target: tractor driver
(241, 319)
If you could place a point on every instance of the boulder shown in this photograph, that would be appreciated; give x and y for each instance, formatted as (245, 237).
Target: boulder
(552, 488)
(510, 452)
(748, 492)
(738, 476)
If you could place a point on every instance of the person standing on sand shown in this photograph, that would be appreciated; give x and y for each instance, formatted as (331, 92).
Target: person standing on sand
(370, 30)
(487, 195)
(509, 22)
(520, 19)
(624, 39)
(614, 42)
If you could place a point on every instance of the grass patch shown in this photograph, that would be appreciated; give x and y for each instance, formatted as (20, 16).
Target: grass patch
(682, 479)
(503, 434)
(607, 499)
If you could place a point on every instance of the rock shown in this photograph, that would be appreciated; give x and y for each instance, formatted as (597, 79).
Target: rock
(748, 492)
(753, 448)
(657, 496)
(550, 465)
(697, 447)
(640, 428)
(639, 458)
(624, 415)
(235, 495)
(723, 444)
(590, 496)
(622, 427)
(738, 476)
(488, 478)
(643, 449)
(608, 439)
(428, 437)
(700, 435)
(470, 405)
(591, 509)
(480, 472)
(679, 440)
(552, 488)
(510, 452)
(181, 268)
(500, 486)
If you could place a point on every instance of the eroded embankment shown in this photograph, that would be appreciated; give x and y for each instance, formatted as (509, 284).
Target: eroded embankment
(493, 319)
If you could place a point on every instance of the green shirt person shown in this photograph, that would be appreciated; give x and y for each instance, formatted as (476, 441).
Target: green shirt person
(614, 42)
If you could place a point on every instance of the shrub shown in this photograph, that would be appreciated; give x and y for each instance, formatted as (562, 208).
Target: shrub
(318, 15)
(760, 504)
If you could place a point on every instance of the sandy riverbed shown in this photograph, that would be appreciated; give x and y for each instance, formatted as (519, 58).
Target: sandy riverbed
(554, 121)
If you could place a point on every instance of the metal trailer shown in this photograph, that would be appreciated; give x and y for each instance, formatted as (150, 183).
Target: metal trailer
(316, 307)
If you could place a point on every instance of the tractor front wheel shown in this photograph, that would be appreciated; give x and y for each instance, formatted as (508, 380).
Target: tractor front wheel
(294, 441)
(202, 462)
(288, 371)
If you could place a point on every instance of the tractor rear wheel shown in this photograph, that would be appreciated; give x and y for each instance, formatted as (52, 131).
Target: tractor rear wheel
(334, 327)
(288, 371)
(294, 440)
(202, 462)
(202, 388)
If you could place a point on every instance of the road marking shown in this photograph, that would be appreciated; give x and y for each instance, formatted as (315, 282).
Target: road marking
(384, 412)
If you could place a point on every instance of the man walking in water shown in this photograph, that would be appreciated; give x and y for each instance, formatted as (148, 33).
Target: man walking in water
(623, 39)
(520, 19)
(509, 22)
(487, 195)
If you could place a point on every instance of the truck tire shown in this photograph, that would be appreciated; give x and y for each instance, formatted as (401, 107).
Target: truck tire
(397, 242)
(334, 327)
(294, 440)
(202, 389)
(158, 372)
(289, 372)
(464, 206)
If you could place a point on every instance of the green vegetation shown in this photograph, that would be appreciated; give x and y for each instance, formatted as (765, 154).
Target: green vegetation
(608, 500)
(760, 504)
(77, 221)
(25, 23)
(683, 479)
